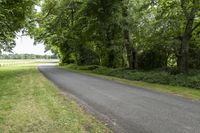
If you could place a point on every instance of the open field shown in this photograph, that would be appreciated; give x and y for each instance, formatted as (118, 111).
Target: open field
(30, 103)
(21, 62)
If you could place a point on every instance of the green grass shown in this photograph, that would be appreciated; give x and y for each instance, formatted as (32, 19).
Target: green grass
(125, 77)
(30, 103)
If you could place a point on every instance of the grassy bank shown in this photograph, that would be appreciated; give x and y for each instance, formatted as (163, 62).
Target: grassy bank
(30, 103)
(182, 85)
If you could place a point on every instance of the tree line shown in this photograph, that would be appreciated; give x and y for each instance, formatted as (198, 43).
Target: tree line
(26, 56)
(138, 34)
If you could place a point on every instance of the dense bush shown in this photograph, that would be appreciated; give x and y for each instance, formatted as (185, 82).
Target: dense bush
(155, 57)
(87, 56)
(194, 57)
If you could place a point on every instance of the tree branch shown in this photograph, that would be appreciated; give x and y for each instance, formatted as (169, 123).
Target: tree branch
(183, 8)
(196, 26)
(40, 19)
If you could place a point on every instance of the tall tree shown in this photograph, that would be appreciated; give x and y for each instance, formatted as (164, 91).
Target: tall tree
(190, 9)
(131, 51)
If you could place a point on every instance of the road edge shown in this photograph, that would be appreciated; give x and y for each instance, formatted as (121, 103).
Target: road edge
(88, 109)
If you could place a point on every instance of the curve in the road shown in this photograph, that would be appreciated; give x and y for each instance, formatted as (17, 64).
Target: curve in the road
(134, 110)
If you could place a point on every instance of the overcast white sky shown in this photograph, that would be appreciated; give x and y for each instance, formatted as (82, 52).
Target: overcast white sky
(24, 45)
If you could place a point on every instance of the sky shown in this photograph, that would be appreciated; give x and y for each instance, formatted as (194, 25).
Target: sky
(25, 45)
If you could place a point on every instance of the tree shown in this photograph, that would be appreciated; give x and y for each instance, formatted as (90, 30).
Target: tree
(13, 17)
(131, 51)
(147, 34)
(190, 9)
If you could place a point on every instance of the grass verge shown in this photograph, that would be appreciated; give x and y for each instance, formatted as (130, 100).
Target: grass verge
(176, 90)
(30, 103)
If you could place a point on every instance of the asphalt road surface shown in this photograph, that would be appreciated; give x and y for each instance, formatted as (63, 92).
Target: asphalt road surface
(131, 109)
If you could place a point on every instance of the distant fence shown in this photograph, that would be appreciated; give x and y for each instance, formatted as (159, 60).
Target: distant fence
(21, 62)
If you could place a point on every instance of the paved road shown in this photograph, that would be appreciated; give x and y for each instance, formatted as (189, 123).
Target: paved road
(134, 110)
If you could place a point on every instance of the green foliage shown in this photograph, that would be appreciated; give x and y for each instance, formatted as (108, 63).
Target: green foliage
(91, 32)
(87, 57)
(14, 14)
(109, 33)
(152, 58)
(194, 56)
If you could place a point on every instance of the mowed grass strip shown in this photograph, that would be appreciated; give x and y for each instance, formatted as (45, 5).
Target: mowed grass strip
(30, 103)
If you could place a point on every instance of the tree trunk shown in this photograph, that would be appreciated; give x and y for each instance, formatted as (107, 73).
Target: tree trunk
(131, 52)
(182, 61)
(110, 34)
